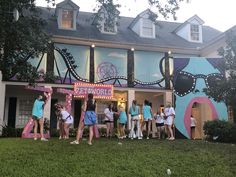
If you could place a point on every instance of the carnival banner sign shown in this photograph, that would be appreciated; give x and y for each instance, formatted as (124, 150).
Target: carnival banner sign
(99, 91)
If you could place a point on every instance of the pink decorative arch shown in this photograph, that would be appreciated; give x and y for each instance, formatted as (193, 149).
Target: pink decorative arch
(28, 129)
(69, 94)
(30, 124)
(188, 111)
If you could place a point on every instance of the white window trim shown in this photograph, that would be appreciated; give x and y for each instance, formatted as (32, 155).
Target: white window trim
(106, 32)
(200, 34)
(60, 20)
(146, 36)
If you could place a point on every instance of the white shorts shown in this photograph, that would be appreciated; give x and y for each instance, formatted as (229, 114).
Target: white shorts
(168, 121)
(147, 119)
(69, 120)
(136, 117)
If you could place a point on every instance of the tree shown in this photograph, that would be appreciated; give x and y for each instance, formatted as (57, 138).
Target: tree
(22, 39)
(225, 89)
(25, 38)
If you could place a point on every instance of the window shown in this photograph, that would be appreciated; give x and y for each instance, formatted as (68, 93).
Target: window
(109, 27)
(67, 19)
(147, 29)
(194, 32)
(25, 111)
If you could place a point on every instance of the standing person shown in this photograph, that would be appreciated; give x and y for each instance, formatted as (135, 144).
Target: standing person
(147, 116)
(90, 119)
(122, 122)
(193, 125)
(59, 119)
(81, 125)
(37, 114)
(67, 121)
(169, 115)
(160, 124)
(135, 119)
(109, 119)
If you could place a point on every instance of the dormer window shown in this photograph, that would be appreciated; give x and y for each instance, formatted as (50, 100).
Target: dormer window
(67, 19)
(109, 27)
(105, 20)
(147, 28)
(191, 29)
(66, 13)
(144, 24)
(194, 32)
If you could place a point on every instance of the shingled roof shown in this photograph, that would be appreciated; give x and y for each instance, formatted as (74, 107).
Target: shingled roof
(165, 37)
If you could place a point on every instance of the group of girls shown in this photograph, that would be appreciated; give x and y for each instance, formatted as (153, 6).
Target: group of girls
(164, 120)
(89, 118)
(109, 113)
(134, 111)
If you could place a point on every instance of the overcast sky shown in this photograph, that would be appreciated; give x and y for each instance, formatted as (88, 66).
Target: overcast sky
(219, 14)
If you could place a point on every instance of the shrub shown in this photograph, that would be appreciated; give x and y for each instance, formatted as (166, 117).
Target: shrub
(221, 131)
(54, 133)
(11, 132)
(102, 131)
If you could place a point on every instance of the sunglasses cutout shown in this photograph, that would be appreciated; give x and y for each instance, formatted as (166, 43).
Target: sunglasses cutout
(185, 82)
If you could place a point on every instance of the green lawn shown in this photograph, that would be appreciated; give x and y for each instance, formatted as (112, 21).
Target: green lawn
(28, 158)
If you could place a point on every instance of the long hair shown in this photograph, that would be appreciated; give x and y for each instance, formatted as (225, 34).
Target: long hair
(134, 105)
(146, 102)
(90, 102)
(110, 107)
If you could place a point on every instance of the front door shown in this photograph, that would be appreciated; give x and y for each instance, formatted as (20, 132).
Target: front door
(202, 113)
(12, 112)
(53, 118)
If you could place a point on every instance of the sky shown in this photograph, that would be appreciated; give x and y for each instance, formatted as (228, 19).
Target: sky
(219, 14)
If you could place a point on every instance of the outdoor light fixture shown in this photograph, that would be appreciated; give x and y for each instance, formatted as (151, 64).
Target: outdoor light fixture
(132, 49)
(93, 45)
(16, 14)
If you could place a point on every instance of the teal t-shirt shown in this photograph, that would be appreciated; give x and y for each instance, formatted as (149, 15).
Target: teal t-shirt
(134, 112)
(38, 108)
(147, 112)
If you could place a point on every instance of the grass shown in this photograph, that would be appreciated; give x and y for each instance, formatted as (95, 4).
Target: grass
(145, 158)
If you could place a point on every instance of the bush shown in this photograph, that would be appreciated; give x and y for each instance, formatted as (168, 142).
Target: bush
(221, 131)
(11, 132)
(102, 131)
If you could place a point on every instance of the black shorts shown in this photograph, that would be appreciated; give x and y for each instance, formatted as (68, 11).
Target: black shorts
(159, 124)
(36, 118)
(108, 121)
(122, 124)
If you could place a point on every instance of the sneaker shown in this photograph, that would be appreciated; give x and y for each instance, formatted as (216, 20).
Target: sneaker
(35, 139)
(147, 138)
(90, 144)
(44, 139)
(60, 138)
(140, 138)
(74, 142)
(171, 138)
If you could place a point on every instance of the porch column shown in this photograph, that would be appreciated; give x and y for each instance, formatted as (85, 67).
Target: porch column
(47, 108)
(168, 98)
(130, 68)
(131, 97)
(2, 101)
(91, 66)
